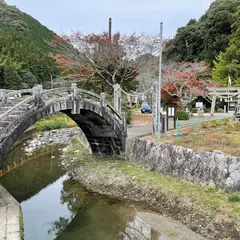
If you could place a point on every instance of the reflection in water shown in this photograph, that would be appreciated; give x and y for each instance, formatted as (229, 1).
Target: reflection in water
(96, 217)
(34, 175)
(55, 207)
(139, 230)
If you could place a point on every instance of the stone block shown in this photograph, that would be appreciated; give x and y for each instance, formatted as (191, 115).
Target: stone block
(197, 166)
(13, 236)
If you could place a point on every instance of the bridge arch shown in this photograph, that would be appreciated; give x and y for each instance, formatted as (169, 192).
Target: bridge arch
(102, 126)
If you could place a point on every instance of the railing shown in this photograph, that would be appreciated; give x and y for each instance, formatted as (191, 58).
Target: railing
(81, 93)
(40, 94)
(15, 93)
(197, 123)
(5, 115)
(5, 131)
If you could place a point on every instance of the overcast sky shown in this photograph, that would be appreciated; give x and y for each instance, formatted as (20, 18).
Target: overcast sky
(128, 15)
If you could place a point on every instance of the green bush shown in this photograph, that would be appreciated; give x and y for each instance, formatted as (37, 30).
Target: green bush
(207, 110)
(220, 110)
(182, 115)
(234, 198)
(194, 110)
(129, 116)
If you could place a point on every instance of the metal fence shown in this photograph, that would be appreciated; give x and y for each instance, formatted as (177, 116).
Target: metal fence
(196, 124)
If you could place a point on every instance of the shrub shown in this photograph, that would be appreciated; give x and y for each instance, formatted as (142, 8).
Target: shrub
(215, 123)
(128, 111)
(194, 110)
(220, 110)
(129, 116)
(234, 198)
(207, 110)
(182, 115)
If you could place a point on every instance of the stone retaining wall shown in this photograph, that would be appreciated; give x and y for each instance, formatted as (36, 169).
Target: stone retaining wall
(207, 168)
(9, 216)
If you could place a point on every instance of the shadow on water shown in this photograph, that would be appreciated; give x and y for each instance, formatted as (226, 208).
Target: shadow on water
(36, 173)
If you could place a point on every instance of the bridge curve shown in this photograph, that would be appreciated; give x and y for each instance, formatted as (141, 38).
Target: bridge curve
(104, 128)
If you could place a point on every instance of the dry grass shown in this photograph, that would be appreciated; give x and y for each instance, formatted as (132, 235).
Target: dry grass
(225, 139)
(140, 119)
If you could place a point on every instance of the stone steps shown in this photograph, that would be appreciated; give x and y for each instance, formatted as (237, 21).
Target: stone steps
(3, 124)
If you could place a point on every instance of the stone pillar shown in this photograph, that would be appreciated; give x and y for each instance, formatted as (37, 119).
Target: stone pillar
(74, 88)
(225, 108)
(2, 93)
(154, 107)
(117, 98)
(213, 105)
(36, 95)
(102, 99)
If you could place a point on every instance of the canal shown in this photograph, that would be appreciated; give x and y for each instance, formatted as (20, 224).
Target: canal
(56, 207)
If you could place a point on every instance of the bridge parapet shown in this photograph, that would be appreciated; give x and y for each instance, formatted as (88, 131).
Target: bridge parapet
(101, 123)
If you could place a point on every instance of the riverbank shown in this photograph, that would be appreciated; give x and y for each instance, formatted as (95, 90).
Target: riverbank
(11, 224)
(55, 137)
(205, 210)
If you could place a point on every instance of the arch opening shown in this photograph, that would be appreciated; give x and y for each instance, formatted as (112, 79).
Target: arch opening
(104, 134)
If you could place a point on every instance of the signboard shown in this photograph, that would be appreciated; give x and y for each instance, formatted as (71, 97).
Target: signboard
(171, 111)
(199, 104)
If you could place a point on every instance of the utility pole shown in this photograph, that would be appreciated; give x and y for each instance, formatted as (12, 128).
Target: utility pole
(160, 83)
(110, 29)
(51, 82)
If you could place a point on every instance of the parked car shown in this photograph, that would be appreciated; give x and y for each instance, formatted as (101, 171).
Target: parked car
(145, 108)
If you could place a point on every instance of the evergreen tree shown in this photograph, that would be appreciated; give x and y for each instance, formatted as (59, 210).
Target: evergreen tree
(206, 38)
(228, 62)
(11, 78)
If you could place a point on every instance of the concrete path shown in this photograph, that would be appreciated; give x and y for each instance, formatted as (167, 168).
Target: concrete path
(140, 131)
(143, 130)
(9, 216)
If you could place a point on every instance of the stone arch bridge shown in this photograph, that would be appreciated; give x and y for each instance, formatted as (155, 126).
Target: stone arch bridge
(104, 128)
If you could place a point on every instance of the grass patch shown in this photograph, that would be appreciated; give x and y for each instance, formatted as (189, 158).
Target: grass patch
(234, 198)
(55, 121)
(21, 223)
(171, 233)
(221, 136)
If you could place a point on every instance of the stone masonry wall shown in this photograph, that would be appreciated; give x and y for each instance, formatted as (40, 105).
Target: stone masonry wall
(10, 227)
(207, 168)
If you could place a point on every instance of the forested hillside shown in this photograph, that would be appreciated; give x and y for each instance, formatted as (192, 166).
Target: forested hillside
(204, 39)
(227, 63)
(25, 57)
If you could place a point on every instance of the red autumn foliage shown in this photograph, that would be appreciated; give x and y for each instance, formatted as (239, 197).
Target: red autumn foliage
(182, 81)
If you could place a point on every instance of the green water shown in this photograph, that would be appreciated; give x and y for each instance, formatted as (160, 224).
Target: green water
(55, 207)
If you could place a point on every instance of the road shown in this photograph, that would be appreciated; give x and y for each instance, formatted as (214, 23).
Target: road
(142, 130)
